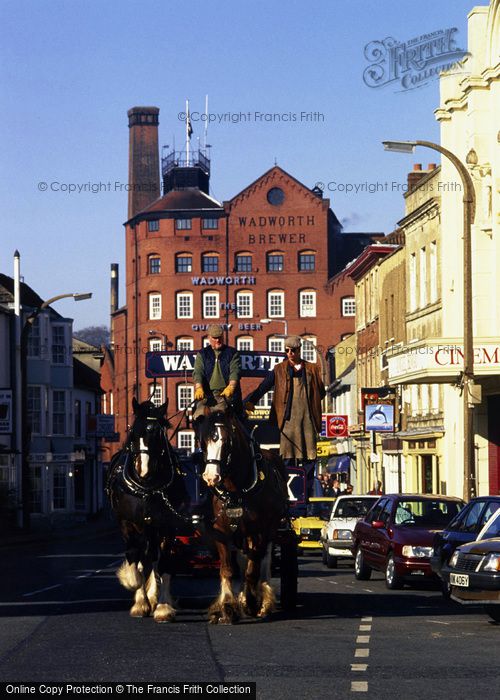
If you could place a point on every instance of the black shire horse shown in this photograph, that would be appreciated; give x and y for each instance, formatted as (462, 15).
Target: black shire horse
(146, 491)
(249, 502)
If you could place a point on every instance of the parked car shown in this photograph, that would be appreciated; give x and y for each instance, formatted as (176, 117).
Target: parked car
(473, 571)
(462, 529)
(308, 527)
(336, 535)
(396, 536)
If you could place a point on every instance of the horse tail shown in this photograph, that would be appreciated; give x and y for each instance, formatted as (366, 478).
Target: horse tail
(129, 576)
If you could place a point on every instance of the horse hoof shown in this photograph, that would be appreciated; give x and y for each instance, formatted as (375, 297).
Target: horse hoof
(164, 613)
(140, 611)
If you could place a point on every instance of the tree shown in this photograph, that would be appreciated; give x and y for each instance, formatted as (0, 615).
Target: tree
(95, 335)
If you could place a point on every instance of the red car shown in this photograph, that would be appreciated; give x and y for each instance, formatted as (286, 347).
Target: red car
(397, 533)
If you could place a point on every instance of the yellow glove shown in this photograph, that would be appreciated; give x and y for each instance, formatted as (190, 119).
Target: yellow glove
(249, 407)
(199, 394)
(228, 391)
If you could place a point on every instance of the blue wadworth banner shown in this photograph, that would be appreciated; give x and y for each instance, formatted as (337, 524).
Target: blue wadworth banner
(179, 363)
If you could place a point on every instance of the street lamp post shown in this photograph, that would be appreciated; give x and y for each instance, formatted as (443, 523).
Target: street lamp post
(469, 206)
(278, 320)
(23, 379)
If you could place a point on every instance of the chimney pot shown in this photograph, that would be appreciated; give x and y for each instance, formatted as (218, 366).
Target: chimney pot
(431, 166)
(417, 167)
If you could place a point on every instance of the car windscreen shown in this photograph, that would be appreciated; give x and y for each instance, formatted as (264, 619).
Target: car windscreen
(493, 530)
(425, 513)
(354, 507)
(319, 510)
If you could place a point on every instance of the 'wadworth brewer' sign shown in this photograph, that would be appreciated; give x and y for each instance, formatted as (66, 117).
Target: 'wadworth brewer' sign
(181, 363)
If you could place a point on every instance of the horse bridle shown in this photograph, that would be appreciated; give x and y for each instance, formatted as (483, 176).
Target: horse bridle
(222, 493)
(132, 450)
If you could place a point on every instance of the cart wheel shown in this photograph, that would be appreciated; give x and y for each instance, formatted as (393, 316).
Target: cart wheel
(288, 574)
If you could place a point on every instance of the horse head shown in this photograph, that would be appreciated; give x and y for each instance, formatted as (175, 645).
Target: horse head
(220, 436)
(147, 439)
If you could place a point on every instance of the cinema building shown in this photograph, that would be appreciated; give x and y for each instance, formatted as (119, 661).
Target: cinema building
(259, 264)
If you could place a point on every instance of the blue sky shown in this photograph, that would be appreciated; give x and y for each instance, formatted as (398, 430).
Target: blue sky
(71, 69)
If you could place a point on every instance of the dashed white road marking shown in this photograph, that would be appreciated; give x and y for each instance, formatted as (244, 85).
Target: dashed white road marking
(359, 686)
(438, 622)
(368, 590)
(361, 653)
(86, 575)
(359, 667)
(365, 628)
(363, 639)
(367, 619)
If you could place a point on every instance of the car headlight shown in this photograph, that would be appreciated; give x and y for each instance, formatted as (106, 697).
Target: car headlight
(305, 530)
(416, 551)
(453, 560)
(491, 563)
(342, 535)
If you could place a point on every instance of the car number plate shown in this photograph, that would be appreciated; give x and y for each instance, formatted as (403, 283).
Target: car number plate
(459, 580)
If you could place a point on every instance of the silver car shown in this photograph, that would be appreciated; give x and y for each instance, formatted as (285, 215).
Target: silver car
(336, 535)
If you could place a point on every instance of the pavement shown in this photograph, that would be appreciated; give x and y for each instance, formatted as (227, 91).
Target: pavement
(65, 527)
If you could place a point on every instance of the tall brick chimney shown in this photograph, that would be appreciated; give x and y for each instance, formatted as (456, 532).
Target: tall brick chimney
(143, 158)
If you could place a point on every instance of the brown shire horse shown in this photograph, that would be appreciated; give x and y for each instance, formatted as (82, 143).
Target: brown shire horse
(249, 502)
(146, 491)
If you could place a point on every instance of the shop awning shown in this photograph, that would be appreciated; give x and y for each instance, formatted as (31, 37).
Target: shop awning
(338, 464)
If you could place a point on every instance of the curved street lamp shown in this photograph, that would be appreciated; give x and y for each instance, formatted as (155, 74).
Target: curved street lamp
(469, 207)
(277, 320)
(25, 433)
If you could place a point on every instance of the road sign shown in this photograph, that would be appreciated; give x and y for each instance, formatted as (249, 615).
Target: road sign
(336, 426)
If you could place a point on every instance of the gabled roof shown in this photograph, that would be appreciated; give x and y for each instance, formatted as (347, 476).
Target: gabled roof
(29, 297)
(266, 179)
(187, 199)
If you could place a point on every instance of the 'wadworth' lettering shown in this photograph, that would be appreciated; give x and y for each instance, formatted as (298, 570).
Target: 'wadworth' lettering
(276, 221)
(177, 364)
(231, 279)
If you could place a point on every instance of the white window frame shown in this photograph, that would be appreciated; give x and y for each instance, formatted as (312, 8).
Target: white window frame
(349, 306)
(41, 394)
(184, 344)
(272, 297)
(247, 299)
(413, 281)
(155, 345)
(275, 344)
(188, 437)
(154, 305)
(308, 352)
(66, 413)
(185, 395)
(433, 272)
(183, 224)
(266, 401)
(307, 303)
(422, 283)
(157, 397)
(244, 343)
(211, 304)
(154, 256)
(187, 312)
(63, 349)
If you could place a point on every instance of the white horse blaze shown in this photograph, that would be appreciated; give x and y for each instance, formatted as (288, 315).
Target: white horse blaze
(142, 463)
(214, 450)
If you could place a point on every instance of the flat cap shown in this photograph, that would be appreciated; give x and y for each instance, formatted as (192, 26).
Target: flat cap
(292, 341)
(215, 330)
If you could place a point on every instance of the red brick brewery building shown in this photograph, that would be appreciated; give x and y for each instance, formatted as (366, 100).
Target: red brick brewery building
(267, 253)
